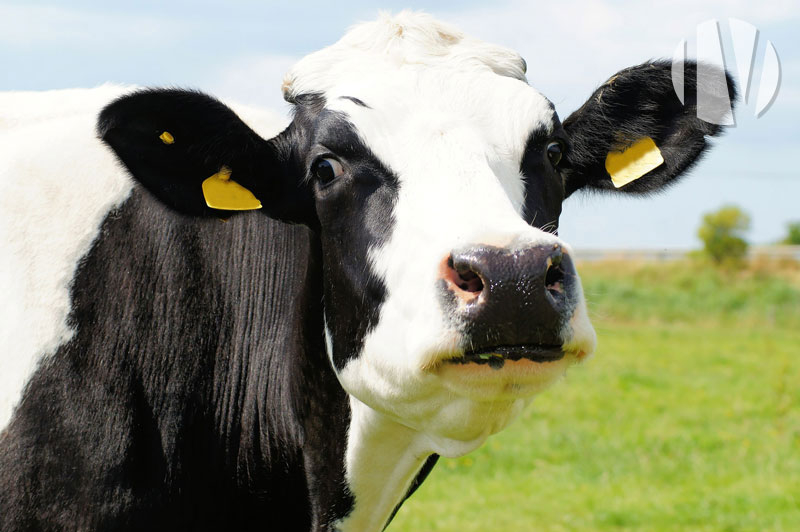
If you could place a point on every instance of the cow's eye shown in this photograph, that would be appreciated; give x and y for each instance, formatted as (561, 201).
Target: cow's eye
(555, 150)
(326, 169)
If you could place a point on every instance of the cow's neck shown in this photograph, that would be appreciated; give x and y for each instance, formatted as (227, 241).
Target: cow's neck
(382, 461)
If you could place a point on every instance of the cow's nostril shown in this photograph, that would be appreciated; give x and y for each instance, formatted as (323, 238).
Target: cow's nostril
(554, 278)
(469, 281)
(463, 279)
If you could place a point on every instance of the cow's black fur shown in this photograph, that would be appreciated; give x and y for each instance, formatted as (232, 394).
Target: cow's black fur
(197, 399)
(638, 102)
(207, 135)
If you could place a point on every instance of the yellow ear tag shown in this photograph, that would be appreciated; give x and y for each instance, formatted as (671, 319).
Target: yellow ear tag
(633, 162)
(225, 194)
(166, 137)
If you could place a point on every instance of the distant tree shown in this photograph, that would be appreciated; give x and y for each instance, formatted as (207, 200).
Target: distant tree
(722, 233)
(793, 236)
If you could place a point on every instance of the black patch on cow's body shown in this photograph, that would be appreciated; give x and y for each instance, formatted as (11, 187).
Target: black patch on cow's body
(356, 215)
(639, 102)
(196, 393)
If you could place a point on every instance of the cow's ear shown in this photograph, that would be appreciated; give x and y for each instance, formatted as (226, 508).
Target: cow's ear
(635, 135)
(194, 154)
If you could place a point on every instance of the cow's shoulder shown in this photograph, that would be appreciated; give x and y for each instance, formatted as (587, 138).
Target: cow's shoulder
(58, 183)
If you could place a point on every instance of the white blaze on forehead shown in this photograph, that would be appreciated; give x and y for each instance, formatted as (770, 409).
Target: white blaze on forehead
(449, 114)
(450, 127)
(406, 40)
(441, 105)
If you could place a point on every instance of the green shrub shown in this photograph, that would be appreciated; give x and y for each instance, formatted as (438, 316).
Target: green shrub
(722, 233)
(793, 236)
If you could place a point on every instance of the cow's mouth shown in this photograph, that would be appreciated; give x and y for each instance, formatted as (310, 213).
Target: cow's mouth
(496, 356)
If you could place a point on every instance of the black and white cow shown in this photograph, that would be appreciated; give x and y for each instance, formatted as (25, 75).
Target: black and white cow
(400, 295)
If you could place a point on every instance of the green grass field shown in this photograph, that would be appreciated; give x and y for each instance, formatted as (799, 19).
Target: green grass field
(686, 419)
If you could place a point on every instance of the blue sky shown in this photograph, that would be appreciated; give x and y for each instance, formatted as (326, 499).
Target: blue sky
(240, 49)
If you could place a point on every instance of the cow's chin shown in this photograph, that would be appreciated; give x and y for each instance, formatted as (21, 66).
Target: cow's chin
(455, 405)
(452, 398)
(487, 380)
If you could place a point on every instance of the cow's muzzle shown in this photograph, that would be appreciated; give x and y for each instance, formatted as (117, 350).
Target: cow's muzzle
(511, 303)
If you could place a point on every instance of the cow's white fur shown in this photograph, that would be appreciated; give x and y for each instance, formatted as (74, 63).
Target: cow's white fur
(382, 460)
(450, 116)
(57, 184)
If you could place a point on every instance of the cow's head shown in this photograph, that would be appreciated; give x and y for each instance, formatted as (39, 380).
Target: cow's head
(434, 176)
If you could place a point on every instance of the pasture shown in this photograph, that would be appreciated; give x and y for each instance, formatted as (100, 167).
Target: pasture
(686, 419)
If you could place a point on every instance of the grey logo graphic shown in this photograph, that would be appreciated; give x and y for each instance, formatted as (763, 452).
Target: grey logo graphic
(712, 47)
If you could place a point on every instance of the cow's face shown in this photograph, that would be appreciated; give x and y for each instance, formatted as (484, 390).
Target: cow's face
(434, 176)
(437, 189)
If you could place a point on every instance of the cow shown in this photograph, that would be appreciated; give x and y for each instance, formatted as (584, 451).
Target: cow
(218, 323)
